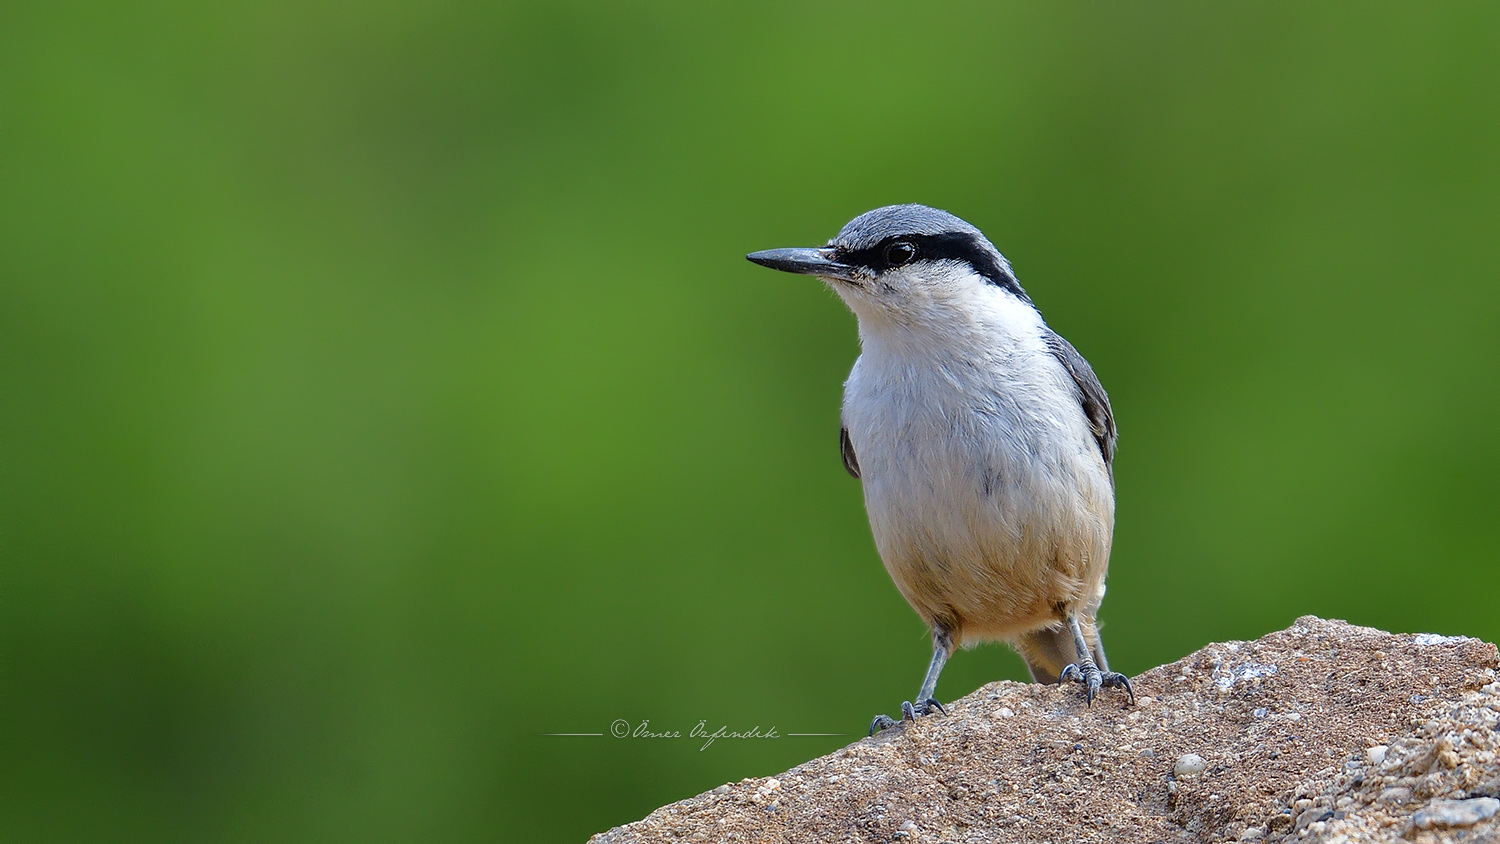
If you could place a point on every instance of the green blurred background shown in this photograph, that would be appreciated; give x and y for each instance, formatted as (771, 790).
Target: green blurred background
(385, 386)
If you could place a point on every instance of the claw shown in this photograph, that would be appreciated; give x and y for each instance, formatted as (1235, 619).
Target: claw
(909, 712)
(1116, 680)
(921, 707)
(1094, 680)
(1086, 671)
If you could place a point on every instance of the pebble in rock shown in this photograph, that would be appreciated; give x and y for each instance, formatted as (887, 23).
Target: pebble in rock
(1189, 765)
(1312, 815)
(1395, 794)
(1456, 812)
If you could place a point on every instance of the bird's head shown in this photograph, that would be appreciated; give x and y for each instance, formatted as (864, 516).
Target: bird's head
(906, 264)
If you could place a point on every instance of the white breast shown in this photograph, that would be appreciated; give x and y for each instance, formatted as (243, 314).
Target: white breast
(987, 495)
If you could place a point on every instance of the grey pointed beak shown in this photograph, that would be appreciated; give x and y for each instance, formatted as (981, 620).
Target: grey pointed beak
(818, 262)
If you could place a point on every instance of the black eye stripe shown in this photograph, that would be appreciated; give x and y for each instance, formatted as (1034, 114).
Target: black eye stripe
(959, 246)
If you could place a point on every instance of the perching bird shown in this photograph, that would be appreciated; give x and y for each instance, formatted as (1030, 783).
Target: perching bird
(984, 442)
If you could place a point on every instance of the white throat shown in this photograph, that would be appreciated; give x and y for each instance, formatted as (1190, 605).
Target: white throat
(946, 312)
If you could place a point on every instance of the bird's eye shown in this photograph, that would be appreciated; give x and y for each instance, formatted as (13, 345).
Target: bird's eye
(900, 253)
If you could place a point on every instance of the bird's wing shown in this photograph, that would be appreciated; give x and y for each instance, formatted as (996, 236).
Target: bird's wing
(1090, 393)
(846, 449)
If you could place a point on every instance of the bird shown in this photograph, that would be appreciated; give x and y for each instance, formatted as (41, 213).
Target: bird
(983, 441)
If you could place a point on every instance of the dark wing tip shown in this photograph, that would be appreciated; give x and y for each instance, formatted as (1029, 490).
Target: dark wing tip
(1090, 394)
(846, 450)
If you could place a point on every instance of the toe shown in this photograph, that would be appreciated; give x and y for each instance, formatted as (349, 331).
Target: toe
(1120, 681)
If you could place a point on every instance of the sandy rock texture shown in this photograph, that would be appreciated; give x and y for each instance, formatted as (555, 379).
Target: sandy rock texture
(1322, 732)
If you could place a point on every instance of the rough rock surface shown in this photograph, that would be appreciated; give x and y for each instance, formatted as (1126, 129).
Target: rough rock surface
(1320, 732)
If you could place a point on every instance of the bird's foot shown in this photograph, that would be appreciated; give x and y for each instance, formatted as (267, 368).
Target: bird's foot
(909, 712)
(1093, 679)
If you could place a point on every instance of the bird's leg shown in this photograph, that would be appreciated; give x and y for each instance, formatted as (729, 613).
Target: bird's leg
(1088, 673)
(1099, 658)
(942, 648)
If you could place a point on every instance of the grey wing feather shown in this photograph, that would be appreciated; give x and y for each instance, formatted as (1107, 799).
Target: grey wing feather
(846, 450)
(1091, 393)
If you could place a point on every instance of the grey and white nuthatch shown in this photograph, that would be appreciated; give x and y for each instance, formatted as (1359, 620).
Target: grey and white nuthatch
(983, 440)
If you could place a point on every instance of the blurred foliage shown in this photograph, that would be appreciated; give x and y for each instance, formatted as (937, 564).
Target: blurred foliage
(385, 385)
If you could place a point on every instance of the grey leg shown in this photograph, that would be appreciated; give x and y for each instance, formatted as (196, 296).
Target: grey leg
(1099, 658)
(942, 648)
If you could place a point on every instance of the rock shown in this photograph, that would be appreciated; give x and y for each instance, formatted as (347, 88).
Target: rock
(1189, 765)
(1395, 794)
(1456, 812)
(1373, 729)
(1312, 815)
